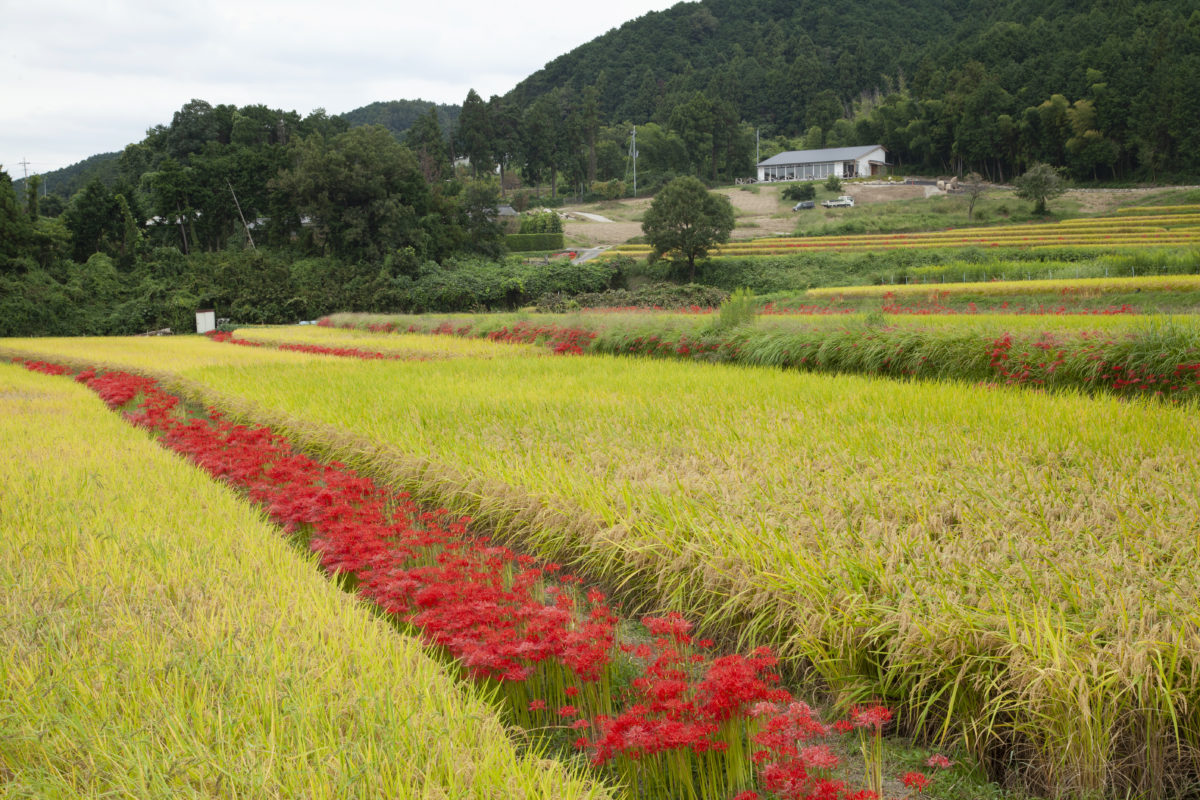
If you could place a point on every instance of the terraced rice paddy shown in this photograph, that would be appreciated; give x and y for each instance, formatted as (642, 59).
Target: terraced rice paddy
(1010, 570)
(1157, 229)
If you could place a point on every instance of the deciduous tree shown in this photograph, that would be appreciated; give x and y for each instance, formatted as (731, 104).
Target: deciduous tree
(973, 188)
(1039, 184)
(685, 221)
(363, 194)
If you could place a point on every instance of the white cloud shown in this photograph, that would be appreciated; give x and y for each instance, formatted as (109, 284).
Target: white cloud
(83, 78)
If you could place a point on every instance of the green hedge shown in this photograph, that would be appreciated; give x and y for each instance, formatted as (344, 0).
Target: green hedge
(526, 242)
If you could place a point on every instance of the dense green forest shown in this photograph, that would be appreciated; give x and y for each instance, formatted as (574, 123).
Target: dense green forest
(64, 183)
(266, 217)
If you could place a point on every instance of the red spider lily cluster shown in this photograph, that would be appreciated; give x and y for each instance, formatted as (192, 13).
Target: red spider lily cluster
(317, 349)
(44, 367)
(1036, 363)
(561, 340)
(688, 724)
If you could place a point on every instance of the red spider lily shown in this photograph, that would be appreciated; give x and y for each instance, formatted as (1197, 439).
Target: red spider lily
(819, 757)
(872, 716)
(734, 682)
(940, 761)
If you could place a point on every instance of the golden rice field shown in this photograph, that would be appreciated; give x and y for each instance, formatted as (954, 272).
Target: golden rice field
(1014, 571)
(162, 640)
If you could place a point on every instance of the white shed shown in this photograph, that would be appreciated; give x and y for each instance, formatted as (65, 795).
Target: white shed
(817, 165)
(206, 321)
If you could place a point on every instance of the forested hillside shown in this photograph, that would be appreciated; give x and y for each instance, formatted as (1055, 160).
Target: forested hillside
(398, 116)
(1105, 89)
(65, 182)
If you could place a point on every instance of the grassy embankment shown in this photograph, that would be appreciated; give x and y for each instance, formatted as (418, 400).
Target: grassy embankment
(1124, 354)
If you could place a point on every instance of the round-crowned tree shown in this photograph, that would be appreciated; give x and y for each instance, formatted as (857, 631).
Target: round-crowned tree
(1039, 184)
(685, 221)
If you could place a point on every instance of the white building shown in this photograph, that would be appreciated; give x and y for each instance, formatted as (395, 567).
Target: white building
(817, 165)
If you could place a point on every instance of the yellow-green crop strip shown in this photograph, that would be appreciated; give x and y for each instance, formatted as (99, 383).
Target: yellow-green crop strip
(1077, 286)
(1010, 568)
(409, 345)
(162, 640)
(146, 354)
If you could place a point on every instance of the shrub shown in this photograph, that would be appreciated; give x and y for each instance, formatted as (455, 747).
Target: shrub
(470, 285)
(541, 222)
(527, 242)
(801, 191)
(609, 190)
(833, 183)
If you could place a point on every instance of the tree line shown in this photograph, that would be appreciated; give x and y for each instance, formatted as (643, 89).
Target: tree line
(266, 216)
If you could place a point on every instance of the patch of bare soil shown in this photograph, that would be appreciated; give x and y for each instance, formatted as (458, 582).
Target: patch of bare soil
(763, 202)
(1104, 201)
(592, 234)
(883, 193)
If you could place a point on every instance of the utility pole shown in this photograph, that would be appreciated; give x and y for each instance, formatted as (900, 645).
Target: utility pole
(240, 214)
(24, 162)
(757, 157)
(634, 154)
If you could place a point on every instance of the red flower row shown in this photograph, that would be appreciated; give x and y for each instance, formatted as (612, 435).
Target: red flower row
(316, 349)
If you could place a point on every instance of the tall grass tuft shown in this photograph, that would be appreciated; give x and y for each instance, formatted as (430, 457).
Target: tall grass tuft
(740, 309)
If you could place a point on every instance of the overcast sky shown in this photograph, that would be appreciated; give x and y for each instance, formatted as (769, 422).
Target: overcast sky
(81, 77)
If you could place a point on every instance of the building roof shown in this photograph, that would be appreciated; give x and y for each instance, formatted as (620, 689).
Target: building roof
(821, 156)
